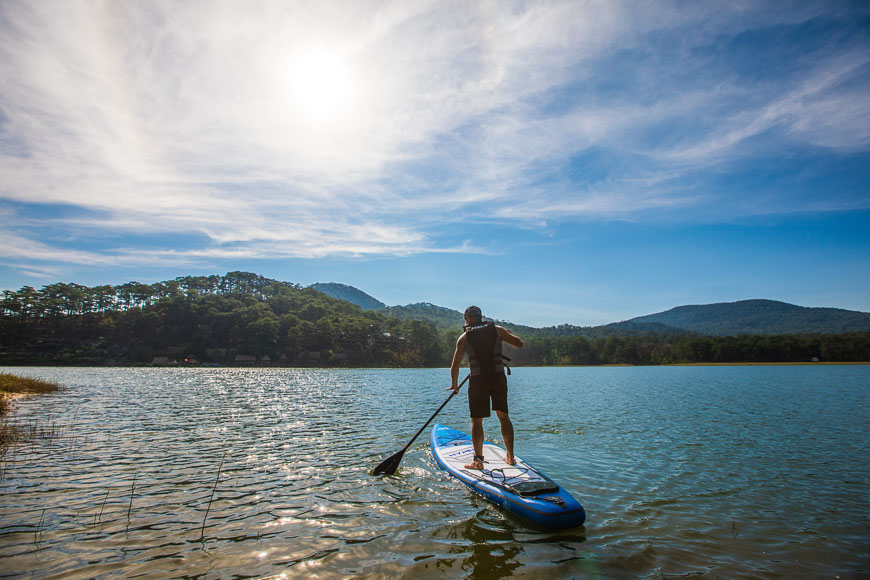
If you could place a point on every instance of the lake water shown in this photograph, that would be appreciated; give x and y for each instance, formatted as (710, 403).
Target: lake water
(717, 472)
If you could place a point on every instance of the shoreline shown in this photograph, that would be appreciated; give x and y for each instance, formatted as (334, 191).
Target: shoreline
(14, 387)
(612, 365)
(711, 364)
(749, 364)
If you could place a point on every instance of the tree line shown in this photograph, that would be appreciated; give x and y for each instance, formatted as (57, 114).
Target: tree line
(244, 316)
(61, 299)
(208, 319)
(657, 349)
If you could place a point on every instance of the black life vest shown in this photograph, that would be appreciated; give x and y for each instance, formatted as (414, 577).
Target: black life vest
(484, 349)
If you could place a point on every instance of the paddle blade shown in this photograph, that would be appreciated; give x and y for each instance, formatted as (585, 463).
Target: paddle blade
(390, 464)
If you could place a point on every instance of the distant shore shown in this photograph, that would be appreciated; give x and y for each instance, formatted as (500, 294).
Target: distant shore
(749, 364)
(13, 395)
(707, 364)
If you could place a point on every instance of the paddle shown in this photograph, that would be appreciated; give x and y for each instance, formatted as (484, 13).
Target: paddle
(390, 464)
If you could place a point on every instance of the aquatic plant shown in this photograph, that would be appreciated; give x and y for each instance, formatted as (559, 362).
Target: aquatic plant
(12, 386)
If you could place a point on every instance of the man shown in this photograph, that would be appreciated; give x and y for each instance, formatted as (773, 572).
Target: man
(482, 341)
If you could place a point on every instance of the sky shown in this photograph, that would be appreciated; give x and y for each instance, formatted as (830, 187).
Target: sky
(577, 162)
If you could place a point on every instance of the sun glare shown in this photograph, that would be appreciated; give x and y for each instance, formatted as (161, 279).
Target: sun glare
(321, 86)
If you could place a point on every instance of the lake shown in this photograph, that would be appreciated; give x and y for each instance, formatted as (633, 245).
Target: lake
(716, 472)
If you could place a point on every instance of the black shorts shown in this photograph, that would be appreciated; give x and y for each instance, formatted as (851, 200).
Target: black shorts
(485, 388)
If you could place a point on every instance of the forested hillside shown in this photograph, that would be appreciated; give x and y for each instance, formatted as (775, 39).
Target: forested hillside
(210, 319)
(244, 319)
(437, 315)
(758, 317)
(349, 293)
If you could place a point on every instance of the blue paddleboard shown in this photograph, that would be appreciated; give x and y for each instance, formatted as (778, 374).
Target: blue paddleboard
(520, 489)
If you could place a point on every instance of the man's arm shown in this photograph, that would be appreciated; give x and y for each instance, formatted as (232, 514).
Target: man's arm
(510, 338)
(457, 360)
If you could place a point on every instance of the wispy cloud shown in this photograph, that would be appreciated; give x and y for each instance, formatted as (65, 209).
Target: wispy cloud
(167, 117)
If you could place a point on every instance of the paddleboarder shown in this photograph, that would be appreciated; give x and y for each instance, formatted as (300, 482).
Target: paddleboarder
(487, 387)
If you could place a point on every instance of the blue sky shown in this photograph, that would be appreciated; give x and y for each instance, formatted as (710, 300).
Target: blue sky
(554, 162)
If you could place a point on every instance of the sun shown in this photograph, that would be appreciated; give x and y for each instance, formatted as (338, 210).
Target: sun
(321, 85)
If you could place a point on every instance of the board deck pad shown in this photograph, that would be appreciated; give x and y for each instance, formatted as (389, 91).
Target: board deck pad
(521, 477)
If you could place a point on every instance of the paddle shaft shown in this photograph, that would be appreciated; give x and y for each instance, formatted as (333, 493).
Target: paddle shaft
(444, 404)
(390, 464)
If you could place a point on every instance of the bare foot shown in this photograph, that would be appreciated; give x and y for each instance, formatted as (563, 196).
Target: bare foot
(510, 459)
(476, 464)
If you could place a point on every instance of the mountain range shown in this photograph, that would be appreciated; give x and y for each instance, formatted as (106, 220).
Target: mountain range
(722, 319)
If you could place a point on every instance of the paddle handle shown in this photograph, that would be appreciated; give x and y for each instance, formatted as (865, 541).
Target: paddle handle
(426, 424)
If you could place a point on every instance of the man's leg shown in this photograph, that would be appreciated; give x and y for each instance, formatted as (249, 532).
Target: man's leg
(507, 433)
(477, 441)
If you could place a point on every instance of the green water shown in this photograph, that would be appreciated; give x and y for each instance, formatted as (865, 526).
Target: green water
(717, 472)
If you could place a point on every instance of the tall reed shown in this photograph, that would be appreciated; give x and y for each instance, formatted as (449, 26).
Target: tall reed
(208, 509)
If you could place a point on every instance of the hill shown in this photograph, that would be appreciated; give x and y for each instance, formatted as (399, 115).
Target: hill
(757, 317)
(349, 293)
(240, 319)
(439, 316)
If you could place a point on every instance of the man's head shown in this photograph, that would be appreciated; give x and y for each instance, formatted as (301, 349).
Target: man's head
(473, 315)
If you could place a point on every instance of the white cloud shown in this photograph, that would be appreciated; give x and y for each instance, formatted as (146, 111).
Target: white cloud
(166, 117)
(814, 112)
(19, 249)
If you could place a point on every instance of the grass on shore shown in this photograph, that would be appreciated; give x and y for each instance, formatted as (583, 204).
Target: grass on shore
(11, 387)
